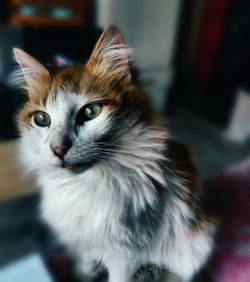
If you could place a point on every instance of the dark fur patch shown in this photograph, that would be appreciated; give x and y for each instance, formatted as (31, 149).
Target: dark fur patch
(179, 161)
(144, 226)
(178, 167)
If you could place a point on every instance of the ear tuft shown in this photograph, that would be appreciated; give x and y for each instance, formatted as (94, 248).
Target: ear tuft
(29, 71)
(110, 57)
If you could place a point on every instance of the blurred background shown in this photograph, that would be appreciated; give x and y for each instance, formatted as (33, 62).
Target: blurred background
(193, 59)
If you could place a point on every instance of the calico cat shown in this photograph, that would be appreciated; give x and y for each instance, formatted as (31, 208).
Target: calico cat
(116, 187)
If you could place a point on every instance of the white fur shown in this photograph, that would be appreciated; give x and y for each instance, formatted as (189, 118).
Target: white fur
(85, 209)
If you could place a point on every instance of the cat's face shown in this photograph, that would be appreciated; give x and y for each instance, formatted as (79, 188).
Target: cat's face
(80, 115)
(69, 130)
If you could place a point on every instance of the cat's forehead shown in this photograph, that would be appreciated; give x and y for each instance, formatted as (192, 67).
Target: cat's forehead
(67, 88)
(75, 80)
(65, 99)
(70, 77)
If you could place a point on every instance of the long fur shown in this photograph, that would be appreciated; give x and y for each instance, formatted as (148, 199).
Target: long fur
(134, 196)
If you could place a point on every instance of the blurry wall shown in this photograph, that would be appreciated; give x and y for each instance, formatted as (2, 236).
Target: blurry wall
(10, 37)
(150, 28)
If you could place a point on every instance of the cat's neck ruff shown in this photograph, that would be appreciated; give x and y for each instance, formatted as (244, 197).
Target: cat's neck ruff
(128, 172)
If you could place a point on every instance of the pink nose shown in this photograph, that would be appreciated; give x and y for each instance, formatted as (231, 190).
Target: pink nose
(59, 151)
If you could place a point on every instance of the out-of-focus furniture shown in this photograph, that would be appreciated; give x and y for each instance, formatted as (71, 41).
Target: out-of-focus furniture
(211, 58)
(13, 181)
(50, 13)
(229, 195)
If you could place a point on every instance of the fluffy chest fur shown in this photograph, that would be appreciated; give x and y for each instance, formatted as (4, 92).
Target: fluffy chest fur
(82, 210)
(133, 211)
(109, 205)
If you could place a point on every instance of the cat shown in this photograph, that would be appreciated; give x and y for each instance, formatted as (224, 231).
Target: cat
(117, 188)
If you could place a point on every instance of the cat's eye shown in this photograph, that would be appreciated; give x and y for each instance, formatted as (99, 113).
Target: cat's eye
(42, 119)
(88, 112)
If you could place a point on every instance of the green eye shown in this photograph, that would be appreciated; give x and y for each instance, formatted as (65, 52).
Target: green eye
(42, 119)
(88, 112)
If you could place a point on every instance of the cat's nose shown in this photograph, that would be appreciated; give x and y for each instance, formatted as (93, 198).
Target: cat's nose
(59, 151)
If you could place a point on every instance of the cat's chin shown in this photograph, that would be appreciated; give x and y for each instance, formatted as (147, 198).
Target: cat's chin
(77, 167)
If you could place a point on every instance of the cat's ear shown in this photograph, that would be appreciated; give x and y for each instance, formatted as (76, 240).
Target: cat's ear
(110, 57)
(30, 71)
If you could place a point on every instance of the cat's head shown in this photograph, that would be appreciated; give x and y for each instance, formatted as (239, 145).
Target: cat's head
(77, 116)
